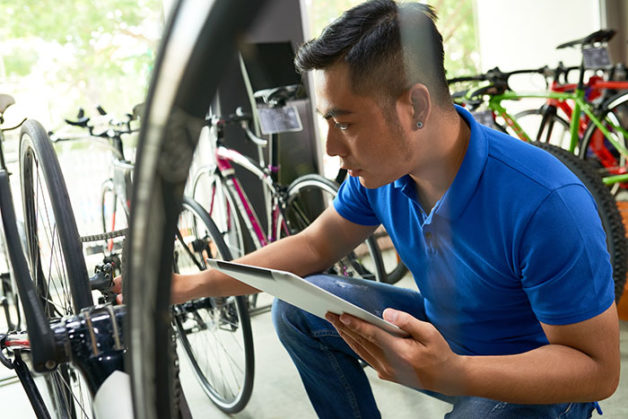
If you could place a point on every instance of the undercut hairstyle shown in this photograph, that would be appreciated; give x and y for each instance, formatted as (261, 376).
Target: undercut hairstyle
(388, 47)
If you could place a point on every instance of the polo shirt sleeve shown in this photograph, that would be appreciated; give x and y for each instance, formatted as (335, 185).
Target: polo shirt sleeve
(352, 202)
(564, 263)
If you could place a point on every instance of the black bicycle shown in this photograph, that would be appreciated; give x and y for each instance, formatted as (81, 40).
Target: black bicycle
(75, 345)
(215, 333)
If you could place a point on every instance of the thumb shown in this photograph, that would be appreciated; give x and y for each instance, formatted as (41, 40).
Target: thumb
(417, 328)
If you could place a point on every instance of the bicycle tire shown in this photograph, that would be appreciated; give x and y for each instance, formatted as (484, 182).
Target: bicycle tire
(46, 200)
(112, 214)
(616, 241)
(547, 126)
(178, 99)
(215, 333)
(211, 192)
(396, 270)
(394, 267)
(599, 151)
(307, 197)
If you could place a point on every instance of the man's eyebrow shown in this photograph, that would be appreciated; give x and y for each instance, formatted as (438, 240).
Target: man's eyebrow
(334, 112)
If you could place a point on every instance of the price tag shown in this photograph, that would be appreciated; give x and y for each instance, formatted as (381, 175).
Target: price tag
(596, 57)
(484, 118)
(283, 119)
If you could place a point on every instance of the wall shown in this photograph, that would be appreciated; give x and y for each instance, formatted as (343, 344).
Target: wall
(524, 34)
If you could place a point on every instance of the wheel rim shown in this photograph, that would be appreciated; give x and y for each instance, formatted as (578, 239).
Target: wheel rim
(212, 331)
(555, 132)
(113, 215)
(306, 202)
(216, 199)
(46, 253)
(67, 390)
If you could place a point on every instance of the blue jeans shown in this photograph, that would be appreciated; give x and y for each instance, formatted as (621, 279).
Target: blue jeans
(333, 377)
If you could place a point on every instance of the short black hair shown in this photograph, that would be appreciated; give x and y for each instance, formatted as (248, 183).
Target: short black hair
(388, 47)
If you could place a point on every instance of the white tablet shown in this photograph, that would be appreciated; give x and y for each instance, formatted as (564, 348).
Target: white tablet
(297, 291)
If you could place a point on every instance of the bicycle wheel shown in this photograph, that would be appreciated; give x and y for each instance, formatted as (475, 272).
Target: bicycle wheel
(211, 192)
(196, 44)
(545, 125)
(597, 149)
(214, 332)
(112, 212)
(394, 267)
(307, 197)
(607, 209)
(55, 256)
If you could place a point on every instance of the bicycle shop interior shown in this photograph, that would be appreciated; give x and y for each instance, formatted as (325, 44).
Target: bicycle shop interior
(64, 62)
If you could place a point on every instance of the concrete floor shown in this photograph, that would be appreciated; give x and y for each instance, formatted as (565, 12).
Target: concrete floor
(278, 392)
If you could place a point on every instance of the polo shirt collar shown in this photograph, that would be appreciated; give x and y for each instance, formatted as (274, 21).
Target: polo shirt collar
(457, 197)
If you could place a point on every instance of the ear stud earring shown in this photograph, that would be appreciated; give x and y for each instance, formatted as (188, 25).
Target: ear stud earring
(419, 124)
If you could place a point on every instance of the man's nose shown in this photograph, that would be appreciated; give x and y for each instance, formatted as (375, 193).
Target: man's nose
(334, 145)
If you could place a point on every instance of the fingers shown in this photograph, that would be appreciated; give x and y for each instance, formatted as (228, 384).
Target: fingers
(117, 285)
(117, 289)
(418, 329)
(359, 336)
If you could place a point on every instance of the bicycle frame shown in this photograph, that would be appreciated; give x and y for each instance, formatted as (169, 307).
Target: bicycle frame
(595, 87)
(224, 157)
(122, 182)
(580, 105)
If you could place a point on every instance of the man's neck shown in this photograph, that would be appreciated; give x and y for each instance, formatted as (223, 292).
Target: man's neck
(451, 139)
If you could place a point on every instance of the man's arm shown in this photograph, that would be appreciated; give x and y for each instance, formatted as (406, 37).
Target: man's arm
(325, 241)
(581, 362)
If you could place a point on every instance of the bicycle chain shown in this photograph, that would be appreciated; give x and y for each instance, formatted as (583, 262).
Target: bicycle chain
(104, 236)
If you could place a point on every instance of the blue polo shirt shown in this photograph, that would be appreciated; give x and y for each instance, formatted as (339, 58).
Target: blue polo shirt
(515, 240)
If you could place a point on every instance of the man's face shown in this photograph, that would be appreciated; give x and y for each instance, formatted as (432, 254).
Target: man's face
(369, 141)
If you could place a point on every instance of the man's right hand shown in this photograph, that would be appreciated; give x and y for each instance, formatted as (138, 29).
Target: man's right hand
(117, 288)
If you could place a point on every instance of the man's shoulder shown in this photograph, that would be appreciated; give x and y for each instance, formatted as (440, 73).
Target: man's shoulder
(524, 162)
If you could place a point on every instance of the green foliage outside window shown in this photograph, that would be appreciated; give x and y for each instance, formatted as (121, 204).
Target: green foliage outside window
(59, 55)
(456, 23)
(66, 54)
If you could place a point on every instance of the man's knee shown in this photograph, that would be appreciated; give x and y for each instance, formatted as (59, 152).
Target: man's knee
(284, 317)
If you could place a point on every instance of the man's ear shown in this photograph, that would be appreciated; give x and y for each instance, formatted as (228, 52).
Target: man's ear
(421, 104)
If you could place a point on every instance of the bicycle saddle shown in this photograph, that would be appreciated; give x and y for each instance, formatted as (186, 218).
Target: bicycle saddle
(603, 35)
(5, 102)
(278, 96)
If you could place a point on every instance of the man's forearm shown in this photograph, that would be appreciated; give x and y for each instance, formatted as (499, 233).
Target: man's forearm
(314, 249)
(549, 374)
(290, 254)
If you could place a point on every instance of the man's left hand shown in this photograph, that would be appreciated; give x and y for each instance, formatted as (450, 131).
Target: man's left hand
(422, 360)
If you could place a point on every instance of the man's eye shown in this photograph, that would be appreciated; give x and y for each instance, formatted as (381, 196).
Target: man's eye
(342, 126)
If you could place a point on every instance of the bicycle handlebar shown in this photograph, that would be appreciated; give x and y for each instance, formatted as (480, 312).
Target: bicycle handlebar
(115, 128)
(495, 75)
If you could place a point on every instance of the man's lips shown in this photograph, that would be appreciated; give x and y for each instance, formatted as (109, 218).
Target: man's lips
(354, 172)
(351, 171)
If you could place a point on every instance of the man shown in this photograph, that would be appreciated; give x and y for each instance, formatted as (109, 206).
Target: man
(515, 316)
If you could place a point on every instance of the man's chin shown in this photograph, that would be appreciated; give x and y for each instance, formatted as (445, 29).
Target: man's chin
(367, 183)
